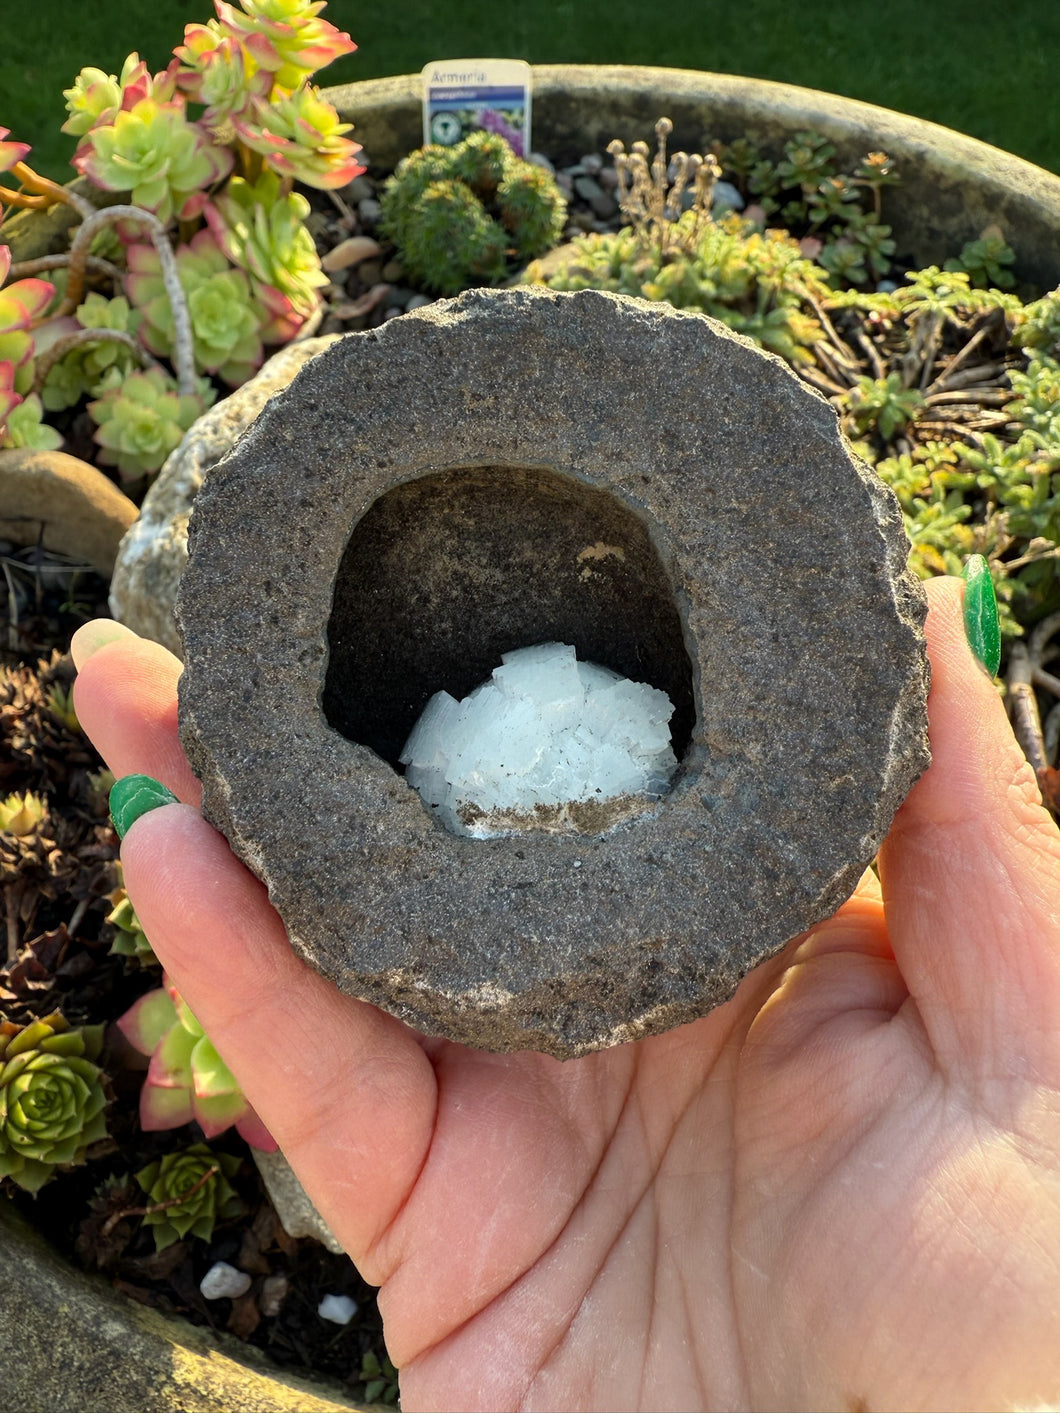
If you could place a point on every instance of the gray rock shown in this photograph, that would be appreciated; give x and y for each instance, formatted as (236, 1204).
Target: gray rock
(154, 551)
(520, 466)
(297, 1215)
(726, 198)
(224, 1282)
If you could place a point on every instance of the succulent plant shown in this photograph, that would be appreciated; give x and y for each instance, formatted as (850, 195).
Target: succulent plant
(20, 814)
(52, 1098)
(225, 320)
(262, 229)
(142, 418)
(186, 1079)
(285, 37)
(216, 73)
(130, 939)
(154, 152)
(760, 284)
(464, 214)
(300, 136)
(95, 97)
(25, 426)
(189, 1192)
(21, 305)
(80, 369)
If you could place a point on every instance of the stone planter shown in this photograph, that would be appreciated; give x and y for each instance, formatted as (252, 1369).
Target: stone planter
(67, 1337)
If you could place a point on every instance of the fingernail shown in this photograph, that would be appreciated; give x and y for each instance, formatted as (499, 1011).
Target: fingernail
(980, 613)
(134, 795)
(92, 636)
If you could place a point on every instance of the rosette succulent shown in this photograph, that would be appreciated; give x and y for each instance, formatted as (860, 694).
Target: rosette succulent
(300, 136)
(186, 1079)
(95, 97)
(52, 1098)
(22, 304)
(262, 230)
(189, 1193)
(81, 369)
(154, 152)
(285, 37)
(141, 418)
(218, 72)
(225, 321)
(130, 939)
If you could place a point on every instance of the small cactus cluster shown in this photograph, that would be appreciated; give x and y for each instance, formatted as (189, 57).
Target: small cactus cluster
(463, 215)
(52, 1098)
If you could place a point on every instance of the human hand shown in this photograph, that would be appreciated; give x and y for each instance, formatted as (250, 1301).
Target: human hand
(841, 1189)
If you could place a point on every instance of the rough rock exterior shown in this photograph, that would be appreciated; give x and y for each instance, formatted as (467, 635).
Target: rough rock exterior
(522, 466)
(152, 556)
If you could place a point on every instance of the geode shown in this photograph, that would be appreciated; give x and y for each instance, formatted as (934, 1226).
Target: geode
(517, 467)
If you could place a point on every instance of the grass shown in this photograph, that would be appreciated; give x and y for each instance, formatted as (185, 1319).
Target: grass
(988, 70)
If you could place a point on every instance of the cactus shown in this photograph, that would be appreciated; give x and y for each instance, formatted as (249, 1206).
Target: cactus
(465, 214)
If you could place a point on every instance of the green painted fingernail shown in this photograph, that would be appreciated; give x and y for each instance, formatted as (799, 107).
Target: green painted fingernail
(134, 795)
(980, 614)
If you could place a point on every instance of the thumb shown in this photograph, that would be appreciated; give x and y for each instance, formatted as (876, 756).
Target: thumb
(971, 873)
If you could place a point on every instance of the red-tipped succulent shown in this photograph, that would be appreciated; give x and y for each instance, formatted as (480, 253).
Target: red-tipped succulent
(186, 1079)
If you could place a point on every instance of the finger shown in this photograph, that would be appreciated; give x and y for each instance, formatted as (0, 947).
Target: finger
(125, 697)
(344, 1089)
(971, 872)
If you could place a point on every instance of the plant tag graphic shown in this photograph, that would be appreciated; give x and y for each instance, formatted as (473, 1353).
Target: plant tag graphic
(462, 96)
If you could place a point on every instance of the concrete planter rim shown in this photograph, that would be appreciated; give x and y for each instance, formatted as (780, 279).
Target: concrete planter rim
(614, 101)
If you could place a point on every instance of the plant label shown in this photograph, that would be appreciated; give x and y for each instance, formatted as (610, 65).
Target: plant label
(461, 96)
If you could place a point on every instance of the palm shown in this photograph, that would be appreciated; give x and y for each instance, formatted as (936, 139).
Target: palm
(840, 1189)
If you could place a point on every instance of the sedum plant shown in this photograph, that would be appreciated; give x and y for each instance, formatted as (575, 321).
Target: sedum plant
(462, 215)
(189, 1192)
(52, 1098)
(186, 1079)
(205, 153)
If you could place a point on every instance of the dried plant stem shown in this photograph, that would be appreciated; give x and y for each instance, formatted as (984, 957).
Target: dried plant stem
(116, 1217)
(94, 263)
(11, 911)
(1023, 707)
(183, 361)
(45, 193)
(47, 360)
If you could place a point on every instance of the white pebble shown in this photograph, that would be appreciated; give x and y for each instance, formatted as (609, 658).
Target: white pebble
(223, 1281)
(339, 1309)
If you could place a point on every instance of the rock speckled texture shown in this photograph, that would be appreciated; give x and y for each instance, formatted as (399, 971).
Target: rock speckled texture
(520, 466)
(152, 556)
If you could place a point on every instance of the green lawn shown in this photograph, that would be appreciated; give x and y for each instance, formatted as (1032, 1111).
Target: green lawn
(989, 70)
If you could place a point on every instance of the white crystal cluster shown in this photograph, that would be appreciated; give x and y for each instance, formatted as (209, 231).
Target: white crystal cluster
(544, 730)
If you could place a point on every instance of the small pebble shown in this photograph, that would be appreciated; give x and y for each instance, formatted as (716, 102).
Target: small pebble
(592, 164)
(358, 189)
(223, 1281)
(726, 197)
(540, 160)
(588, 188)
(273, 1294)
(392, 271)
(339, 1309)
(369, 210)
(394, 312)
(418, 301)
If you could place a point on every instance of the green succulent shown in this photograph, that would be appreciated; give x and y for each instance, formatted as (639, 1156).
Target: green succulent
(154, 152)
(25, 428)
(20, 814)
(262, 229)
(130, 939)
(141, 418)
(80, 370)
(1037, 325)
(189, 1193)
(380, 1379)
(759, 284)
(986, 261)
(463, 215)
(52, 1098)
(225, 318)
(882, 403)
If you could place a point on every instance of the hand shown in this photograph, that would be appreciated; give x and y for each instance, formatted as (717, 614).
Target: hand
(839, 1190)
